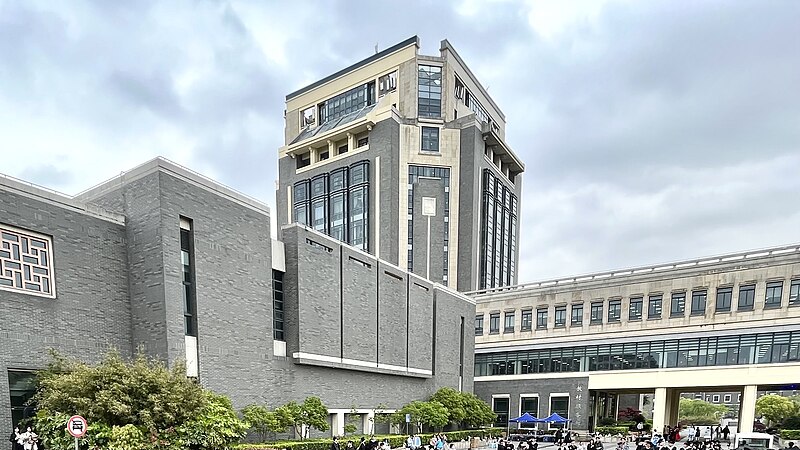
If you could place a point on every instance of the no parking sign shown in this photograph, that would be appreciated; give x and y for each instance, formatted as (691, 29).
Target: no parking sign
(76, 426)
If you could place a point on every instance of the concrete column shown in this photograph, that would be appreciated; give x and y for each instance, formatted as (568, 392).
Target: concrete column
(368, 424)
(337, 428)
(351, 141)
(673, 406)
(747, 409)
(660, 410)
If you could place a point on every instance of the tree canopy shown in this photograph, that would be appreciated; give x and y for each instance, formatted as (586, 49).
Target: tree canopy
(140, 404)
(777, 408)
(447, 406)
(700, 412)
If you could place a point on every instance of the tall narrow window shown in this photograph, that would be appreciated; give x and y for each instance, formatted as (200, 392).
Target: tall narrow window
(747, 297)
(561, 316)
(319, 203)
(614, 310)
(698, 303)
(724, 296)
(494, 323)
(187, 259)
(654, 307)
(678, 305)
(527, 320)
(529, 405)
(774, 294)
(430, 139)
(577, 315)
(359, 205)
(596, 313)
(500, 408)
(635, 311)
(794, 293)
(430, 91)
(498, 233)
(559, 405)
(479, 325)
(277, 305)
(301, 202)
(22, 387)
(509, 325)
(541, 319)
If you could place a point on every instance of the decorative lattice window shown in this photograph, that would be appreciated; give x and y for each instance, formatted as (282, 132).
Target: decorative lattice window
(26, 262)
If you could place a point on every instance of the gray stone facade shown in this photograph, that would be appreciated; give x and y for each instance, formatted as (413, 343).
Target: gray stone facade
(359, 331)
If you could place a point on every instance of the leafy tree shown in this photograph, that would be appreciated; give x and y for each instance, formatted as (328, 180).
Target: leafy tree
(432, 414)
(700, 411)
(479, 413)
(141, 404)
(351, 423)
(453, 401)
(314, 414)
(262, 420)
(289, 416)
(776, 408)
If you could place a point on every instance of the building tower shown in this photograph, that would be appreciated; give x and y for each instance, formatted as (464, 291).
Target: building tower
(395, 155)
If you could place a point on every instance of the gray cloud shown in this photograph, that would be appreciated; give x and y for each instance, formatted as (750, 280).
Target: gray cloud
(651, 131)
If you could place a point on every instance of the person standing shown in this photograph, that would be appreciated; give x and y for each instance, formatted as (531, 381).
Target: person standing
(15, 439)
(725, 432)
(417, 441)
(335, 444)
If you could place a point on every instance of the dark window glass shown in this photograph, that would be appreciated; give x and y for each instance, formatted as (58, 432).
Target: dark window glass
(597, 313)
(22, 387)
(529, 405)
(430, 139)
(342, 149)
(494, 323)
(794, 293)
(654, 307)
(479, 325)
(635, 311)
(724, 297)
(747, 297)
(498, 233)
(774, 294)
(699, 303)
(500, 408)
(189, 300)
(678, 305)
(347, 102)
(561, 316)
(541, 318)
(277, 305)
(614, 310)
(430, 91)
(560, 406)
(362, 141)
(509, 323)
(577, 315)
(527, 318)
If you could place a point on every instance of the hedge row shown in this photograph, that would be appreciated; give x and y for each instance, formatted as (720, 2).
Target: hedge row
(790, 434)
(611, 430)
(395, 440)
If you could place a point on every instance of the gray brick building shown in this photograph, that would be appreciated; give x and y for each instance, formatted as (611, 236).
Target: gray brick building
(163, 259)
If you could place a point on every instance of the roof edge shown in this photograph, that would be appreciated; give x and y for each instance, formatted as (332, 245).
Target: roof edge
(412, 40)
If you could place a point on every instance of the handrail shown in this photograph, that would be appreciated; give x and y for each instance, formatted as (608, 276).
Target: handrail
(759, 253)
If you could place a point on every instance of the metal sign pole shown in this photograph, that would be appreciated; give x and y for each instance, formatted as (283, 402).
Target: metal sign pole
(76, 444)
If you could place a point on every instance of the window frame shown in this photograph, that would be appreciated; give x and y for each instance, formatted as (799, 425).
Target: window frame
(724, 295)
(494, 323)
(541, 313)
(526, 319)
(427, 136)
(596, 319)
(562, 323)
(697, 294)
(677, 304)
(750, 290)
(479, 321)
(614, 304)
(575, 307)
(634, 317)
(769, 302)
(512, 315)
(794, 292)
(655, 302)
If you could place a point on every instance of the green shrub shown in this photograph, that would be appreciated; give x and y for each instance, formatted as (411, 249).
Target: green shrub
(791, 423)
(790, 434)
(395, 440)
(611, 430)
(607, 422)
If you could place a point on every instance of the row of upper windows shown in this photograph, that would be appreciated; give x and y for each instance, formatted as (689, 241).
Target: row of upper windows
(773, 299)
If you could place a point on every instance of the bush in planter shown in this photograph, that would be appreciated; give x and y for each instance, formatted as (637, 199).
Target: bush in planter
(606, 422)
(790, 434)
(611, 430)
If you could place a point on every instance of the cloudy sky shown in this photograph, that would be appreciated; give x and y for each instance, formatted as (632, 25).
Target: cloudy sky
(652, 131)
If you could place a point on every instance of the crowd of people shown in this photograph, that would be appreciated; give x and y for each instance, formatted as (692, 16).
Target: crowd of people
(25, 440)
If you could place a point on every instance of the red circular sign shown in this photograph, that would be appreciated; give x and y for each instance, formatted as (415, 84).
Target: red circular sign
(76, 426)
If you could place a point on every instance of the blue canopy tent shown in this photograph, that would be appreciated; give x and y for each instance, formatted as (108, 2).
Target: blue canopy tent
(525, 418)
(554, 418)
